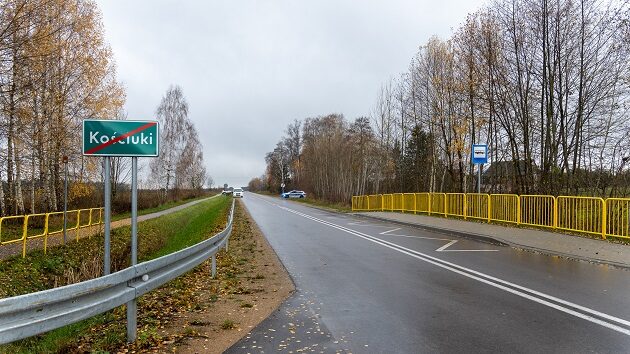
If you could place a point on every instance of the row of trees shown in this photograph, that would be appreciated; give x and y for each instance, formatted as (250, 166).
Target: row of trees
(545, 84)
(56, 70)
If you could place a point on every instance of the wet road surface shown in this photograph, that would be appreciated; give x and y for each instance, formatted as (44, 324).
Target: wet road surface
(366, 286)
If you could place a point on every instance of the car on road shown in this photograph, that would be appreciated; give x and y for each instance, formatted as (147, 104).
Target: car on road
(226, 192)
(294, 194)
(237, 193)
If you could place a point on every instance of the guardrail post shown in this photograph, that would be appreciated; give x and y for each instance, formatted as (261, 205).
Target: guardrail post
(368, 202)
(429, 201)
(214, 266)
(518, 210)
(382, 202)
(132, 321)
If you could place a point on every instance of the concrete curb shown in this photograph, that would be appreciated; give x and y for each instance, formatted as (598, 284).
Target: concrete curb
(496, 241)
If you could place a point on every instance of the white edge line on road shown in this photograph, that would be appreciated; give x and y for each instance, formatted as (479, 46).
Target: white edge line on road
(492, 281)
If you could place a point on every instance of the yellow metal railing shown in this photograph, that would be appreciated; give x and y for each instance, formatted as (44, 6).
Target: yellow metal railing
(617, 221)
(22, 228)
(478, 206)
(437, 204)
(538, 210)
(409, 202)
(581, 214)
(397, 202)
(422, 202)
(504, 208)
(590, 215)
(375, 202)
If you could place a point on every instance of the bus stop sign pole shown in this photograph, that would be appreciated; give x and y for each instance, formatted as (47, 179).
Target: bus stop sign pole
(479, 157)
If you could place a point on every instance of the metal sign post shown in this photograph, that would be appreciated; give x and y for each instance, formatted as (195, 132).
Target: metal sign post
(122, 138)
(65, 199)
(479, 157)
(132, 306)
(108, 214)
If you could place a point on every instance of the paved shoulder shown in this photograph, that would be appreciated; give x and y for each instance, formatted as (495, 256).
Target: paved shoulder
(570, 246)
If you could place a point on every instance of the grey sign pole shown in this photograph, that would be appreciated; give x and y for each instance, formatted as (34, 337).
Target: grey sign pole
(479, 178)
(132, 306)
(108, 214)
(65, 200)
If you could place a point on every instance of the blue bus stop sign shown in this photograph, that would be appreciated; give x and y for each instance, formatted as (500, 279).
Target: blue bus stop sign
(480, 154)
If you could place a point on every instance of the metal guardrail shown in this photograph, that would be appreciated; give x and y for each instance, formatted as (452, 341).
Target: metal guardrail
(31, 314)
(587, 215)
(48, 226)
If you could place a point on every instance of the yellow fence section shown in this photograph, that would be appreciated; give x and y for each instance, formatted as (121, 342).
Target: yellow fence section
(590, 215)
(456, 204)
(618, 217)
(22, 228)
(437, 204)
(422, 202)
(375, 202)
(504, 208)
(478, 206)
(361, 202)
(538, 210)
(409, 202)
(397, 203)
(388, 202)
(582, 214)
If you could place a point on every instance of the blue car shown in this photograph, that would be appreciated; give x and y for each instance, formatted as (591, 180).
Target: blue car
(293, 194)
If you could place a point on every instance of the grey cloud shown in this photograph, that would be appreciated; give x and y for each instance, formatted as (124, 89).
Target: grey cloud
(248, 68)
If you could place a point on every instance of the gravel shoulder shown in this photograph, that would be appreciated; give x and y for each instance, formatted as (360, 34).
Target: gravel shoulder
(251, 284)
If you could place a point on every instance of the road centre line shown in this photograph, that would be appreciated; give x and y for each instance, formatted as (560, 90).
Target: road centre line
(524, 292)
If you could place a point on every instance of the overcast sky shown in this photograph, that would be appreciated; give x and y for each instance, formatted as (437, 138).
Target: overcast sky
(248, 68)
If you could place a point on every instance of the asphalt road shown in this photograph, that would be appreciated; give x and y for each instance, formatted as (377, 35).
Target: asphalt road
(374, 287)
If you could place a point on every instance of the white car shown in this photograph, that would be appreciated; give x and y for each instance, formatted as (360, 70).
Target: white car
(293, 194)
(237, 193)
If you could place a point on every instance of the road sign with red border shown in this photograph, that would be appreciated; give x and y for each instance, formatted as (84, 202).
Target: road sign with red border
(103, 137)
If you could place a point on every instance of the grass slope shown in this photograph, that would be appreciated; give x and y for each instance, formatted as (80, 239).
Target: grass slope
(80, 261)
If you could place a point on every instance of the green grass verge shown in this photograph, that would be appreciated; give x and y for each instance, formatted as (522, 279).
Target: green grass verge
(161, 207)
(79, 261)
(339, 207)
(13, 231)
